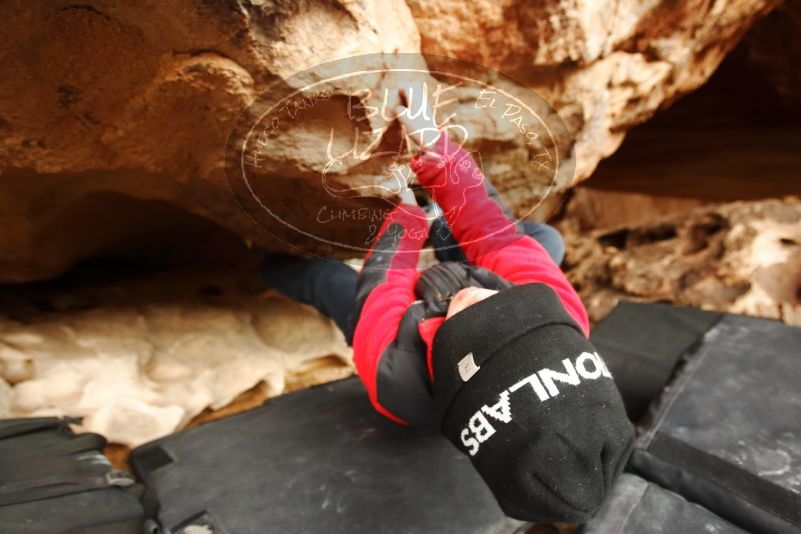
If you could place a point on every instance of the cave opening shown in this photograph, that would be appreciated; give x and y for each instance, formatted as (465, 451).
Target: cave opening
(733, 139)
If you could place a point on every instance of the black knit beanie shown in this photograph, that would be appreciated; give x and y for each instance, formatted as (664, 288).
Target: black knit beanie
(524, 394)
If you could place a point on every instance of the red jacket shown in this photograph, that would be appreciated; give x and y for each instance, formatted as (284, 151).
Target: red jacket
(399, 309)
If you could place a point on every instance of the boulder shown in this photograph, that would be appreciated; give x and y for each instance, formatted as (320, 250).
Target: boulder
(114, 116)
(775, 47)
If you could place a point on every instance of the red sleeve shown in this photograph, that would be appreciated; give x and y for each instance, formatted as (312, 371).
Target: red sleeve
(392, 265)
(487, 237)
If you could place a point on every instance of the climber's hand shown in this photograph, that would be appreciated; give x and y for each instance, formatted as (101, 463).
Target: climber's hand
(416, 115)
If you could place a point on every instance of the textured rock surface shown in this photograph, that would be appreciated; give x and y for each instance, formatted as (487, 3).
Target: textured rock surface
(140, 357)
(605, 66)
(743, 257)
(104, 104)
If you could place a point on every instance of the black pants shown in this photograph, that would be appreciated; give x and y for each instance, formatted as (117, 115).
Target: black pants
(330, 285)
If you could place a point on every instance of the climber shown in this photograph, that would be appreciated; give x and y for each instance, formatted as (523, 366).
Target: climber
(489, 345)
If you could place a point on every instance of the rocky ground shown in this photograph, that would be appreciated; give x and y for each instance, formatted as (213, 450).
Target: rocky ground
(743, 257)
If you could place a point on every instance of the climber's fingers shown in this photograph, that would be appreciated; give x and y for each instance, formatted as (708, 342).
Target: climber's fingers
(416, 115)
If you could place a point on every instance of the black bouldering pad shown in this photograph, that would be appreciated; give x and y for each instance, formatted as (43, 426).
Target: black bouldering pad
(317, 460)
(636, 506)
(726, 432)
(54, 481)
(642, 344)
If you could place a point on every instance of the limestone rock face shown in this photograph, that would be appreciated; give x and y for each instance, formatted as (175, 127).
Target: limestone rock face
(743, 257)
(604, 66)
(107, 107)
(106, 97)
(139, 358)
